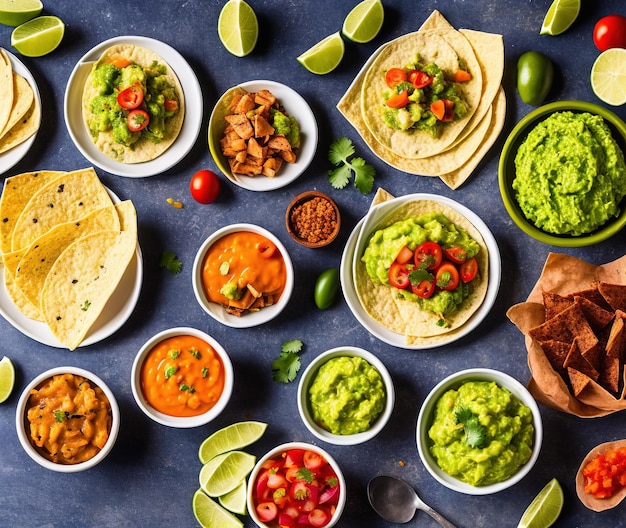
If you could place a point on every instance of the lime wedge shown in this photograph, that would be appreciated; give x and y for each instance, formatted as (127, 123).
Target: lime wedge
(545, 508)
(238, 27)
(7, 378)
(210, 514)
(324, 56)
(234, 436)
(235, 501)
(364, 21)
(560, 16)
(38, 36)
(608, 76)
(16, 12)
(225, 472)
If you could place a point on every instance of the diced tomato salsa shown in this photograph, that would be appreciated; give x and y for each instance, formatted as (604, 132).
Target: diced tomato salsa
(606, 473)
(296, 489)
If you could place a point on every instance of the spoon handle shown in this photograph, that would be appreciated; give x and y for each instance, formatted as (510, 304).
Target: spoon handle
(438, 517)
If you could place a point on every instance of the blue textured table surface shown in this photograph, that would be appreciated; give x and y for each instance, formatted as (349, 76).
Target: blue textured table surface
(152, 473)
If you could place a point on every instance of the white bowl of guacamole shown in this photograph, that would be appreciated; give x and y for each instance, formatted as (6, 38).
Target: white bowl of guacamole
(345, 396)
(479, 431)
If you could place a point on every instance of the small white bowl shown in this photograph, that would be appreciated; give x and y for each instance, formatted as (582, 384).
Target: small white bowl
(217, 311)
(22, 428)
(177, 421)
(425, 419)
(307, 379)
(279, 450)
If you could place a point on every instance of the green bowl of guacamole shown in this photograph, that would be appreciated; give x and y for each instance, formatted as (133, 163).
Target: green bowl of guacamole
(562, 174)
(479, 431)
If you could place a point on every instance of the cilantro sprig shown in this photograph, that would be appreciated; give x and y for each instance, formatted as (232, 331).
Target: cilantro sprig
(475, 432)
(286, 366)
(339, 154)
(170, 262)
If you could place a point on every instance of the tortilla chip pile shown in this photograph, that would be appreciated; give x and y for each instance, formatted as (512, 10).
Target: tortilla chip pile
(65, 247)
(575, 327)
(20, 113)
(454, 155)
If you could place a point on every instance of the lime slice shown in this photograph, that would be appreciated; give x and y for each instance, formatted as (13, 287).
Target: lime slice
(7, 378)
(210, 514)
(560, 16)
(225, 472)
(238, 28)
(235, 436)
(235, 501)
(608, 76)
(324, 56)
(38, 36)
(16, 12)
(364, 21)
(545, 508)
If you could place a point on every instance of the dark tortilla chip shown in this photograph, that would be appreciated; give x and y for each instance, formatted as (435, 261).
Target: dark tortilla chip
(616, 343)
(556, 352)
(577, 380)
(594, 295)
(597, 316)
(556, 327)
(555, 303)
(609, 373)
(576, 360)
(615, 295)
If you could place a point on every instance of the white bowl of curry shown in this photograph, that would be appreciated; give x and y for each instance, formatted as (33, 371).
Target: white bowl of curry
(67, 419)
(242, 276)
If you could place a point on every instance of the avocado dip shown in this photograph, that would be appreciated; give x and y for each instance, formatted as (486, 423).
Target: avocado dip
(385, 244)
(481, 433)
(570, 175)
(347, 395)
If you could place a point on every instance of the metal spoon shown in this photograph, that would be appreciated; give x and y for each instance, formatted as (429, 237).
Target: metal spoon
(395, 501)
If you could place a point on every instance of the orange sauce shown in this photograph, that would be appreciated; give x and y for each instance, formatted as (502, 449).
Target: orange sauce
(241, 258)
(182, 376)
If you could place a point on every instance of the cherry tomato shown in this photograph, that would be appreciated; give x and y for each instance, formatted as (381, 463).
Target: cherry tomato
(447, 276)
(610, 32)
(312, 460)
(205, 186)
(137, 120)
(424, 289)
(405, 255)
(398, 275)
(131, 97)
(267, 511)
(428, 255)
(394, 77)
(419, 78)
(456, 254)
(398, 100)
(468, 270)
(170, 105)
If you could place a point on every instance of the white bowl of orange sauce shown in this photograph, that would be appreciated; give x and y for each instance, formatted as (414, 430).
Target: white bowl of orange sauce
(242, 276)
(182, 377)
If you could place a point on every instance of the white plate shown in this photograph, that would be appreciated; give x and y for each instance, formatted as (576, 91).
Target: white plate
(189, 131)
(348, 258)
(295, 106)
(116, 312)
(12, 157)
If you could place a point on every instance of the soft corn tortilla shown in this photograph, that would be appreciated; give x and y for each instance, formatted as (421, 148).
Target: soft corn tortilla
(23, 129)
(404, 317)
(143, 150)
(7, 92)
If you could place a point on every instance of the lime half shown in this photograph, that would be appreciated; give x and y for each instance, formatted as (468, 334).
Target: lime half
(560, 16)
(7, 378)
(230, 438)
(545, 508)
(38, 36)
(210, 514)
(364, 21)
(608, 76)
(238, 27)
(225, 472)
(324, 56)
(16, 12)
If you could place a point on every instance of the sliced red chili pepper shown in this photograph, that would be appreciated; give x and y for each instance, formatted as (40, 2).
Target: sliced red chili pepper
(137, 120)
(469, 270)
(131, 97)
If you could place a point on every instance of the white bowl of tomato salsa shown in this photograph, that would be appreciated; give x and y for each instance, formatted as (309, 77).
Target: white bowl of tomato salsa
(242, 276)
(182, 377)
(296, 484)
(67, 398)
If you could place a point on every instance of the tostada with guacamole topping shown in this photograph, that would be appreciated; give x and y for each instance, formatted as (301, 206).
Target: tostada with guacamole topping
(133, 104)
(423, 272)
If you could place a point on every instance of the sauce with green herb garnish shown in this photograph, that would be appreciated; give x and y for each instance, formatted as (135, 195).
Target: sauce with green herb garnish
(482, 434)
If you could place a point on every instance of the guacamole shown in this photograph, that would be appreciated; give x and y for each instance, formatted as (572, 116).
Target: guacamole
(570, 175)
(385, 244)
(481, 433)
(347, 395)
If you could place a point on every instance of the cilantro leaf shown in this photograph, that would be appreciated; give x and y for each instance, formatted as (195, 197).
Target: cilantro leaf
(475, 432)
(339, 154)
(294, 346)
(286, 366)
(170, 261)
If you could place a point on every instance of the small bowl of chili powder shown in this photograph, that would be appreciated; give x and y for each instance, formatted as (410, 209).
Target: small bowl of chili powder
(313, 219)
